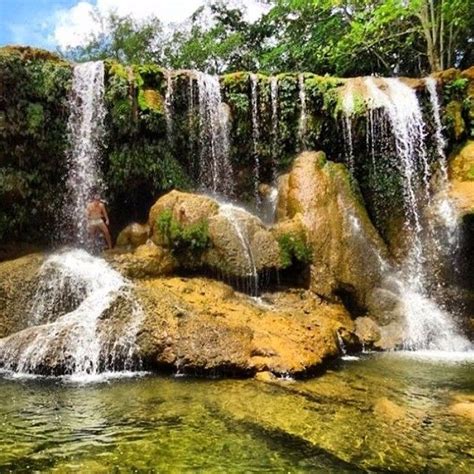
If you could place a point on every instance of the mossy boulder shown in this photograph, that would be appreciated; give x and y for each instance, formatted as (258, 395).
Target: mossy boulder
(237, 243)
(319, 196)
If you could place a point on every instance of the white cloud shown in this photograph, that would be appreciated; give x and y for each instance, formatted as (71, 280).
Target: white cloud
(74, 26)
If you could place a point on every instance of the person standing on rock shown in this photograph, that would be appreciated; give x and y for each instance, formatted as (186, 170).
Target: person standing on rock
(98, 219)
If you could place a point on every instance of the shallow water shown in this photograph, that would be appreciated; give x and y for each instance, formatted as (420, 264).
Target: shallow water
(389, 412)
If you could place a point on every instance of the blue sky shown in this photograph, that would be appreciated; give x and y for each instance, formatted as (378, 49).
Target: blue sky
(54, 24)
(30, 22)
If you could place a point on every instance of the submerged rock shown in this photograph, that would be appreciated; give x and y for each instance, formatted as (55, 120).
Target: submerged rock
(347, 252)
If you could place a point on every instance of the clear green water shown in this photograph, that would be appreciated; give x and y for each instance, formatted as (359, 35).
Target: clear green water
(336, 423)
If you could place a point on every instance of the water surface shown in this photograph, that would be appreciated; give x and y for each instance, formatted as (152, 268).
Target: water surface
(390, 412)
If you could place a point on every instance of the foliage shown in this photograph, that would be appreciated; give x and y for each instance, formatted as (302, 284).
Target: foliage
(454, 90)
(294, 250)
(184, 240)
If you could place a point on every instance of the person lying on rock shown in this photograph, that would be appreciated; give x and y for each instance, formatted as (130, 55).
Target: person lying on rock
(96, 215)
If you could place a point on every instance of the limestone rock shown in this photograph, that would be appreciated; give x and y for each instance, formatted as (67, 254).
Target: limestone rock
(199, 325)
(18, 282)
(367, 330)
(146, 260)
(346, 248)
(239, 242)
(133, 235)
(461, 174)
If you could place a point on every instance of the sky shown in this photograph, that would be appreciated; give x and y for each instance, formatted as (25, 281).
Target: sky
(57, 24)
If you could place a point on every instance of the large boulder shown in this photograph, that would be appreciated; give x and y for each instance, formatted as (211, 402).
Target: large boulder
(202, 326)
(347, 251)
(239, 243)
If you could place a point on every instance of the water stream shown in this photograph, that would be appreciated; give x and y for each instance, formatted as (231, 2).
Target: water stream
(381, 413)
(303, 119)
(215, 173)
(86, 130)
(238, 217)
(255, 136)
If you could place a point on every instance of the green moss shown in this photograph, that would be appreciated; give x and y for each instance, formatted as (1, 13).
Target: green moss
(454, 119)
(294, 250)
(35, 117)
(455, 89)
(185, 241)
(151, 100)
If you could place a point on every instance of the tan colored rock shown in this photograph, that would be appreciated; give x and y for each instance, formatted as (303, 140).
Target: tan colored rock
(388, 410)
(199, 325)
(367, 330)
(18, 283)
(239, 241)
(146, 260)
(461, 175)
(346, 247)
(133, 235)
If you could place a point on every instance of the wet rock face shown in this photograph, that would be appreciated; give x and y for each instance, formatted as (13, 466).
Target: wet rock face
(18, 283)
(346, 249)
(202, 326)
(239, 243)
(133, 235)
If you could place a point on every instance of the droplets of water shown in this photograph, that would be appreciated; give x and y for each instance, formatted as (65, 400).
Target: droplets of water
(86, 130)
(238, 219)
(76, 338)
(215, 168)
(255, 135)
(303, 119)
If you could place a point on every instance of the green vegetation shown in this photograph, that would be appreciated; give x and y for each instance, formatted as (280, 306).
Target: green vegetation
(338, 37)
(294, 250)
(185, 241)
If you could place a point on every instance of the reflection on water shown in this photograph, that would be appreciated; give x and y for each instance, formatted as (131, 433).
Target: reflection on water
(381, 412)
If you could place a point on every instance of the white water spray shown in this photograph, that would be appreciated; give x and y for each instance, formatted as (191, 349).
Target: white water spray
(215, 174)
(255, 135)
(238, 217)
(79, 341)
(86, 130)
(303, 120)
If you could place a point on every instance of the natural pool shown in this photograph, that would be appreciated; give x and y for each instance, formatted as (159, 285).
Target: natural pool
(381, 412)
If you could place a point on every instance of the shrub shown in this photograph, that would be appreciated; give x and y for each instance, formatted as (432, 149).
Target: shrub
(294, 250)
(185, 241)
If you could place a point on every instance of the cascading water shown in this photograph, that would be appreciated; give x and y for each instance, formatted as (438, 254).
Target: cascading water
(443, 207)
(237, 217)
(86, 129)
(68, 334)
(274, 120)
(255, 135)
(215, 173)
(169, 101)
(427, 325)
(348, 110)
(303, 120)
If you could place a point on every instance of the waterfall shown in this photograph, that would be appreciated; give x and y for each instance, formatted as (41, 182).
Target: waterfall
(444, 207)
(347, 112)
(255, 135)
(68, 334)
(169, 101)
(86, 129)
(237, 217)
(274, 121)
(428, 326)
(303, 120)
(215, 173)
